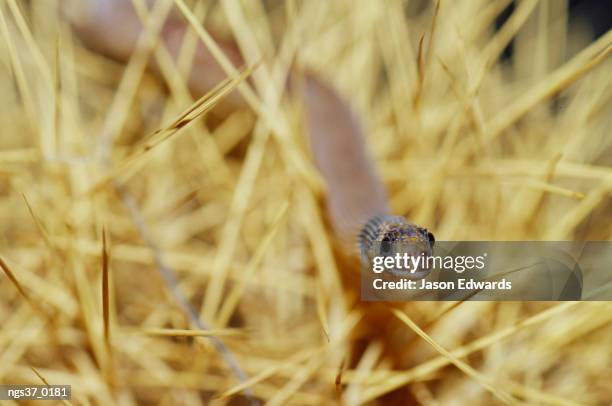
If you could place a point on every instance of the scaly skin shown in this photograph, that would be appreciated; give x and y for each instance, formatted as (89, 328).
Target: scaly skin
(389, 235)
(356, 198)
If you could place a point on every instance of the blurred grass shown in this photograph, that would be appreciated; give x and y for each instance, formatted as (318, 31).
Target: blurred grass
(470, 145)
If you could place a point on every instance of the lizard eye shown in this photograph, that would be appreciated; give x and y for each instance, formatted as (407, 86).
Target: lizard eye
(385, 245)
(430, 236)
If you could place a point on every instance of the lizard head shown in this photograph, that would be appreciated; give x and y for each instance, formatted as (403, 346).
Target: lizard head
(392, 236)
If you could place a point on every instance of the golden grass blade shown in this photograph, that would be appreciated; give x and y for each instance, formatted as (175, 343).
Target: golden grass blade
(200, 107)
(367, 363)
(48, 93)
(572, 219)
(558, 80)
(424, 57)
(43, 380)
(135, 160)
(106, 294)
(546, 187)
(40, 376)
(231, 229)
(487, 383)
(39, 225)
(273, 121)
(233, 298)
(167, 332)
(299, 378)
(18, 71)
(89, 311)
(420, 73)
(11, 275)
(432, 36)
(322, 309)
(175, 71)
(496, 46)
(42, 64)
(338, 380)
(26, 155)
(295, 359)
(119, 109)
(429, 367)
(270, 371)
(215, 50)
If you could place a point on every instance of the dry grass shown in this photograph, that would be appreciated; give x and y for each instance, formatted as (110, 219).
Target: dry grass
(470, 146)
